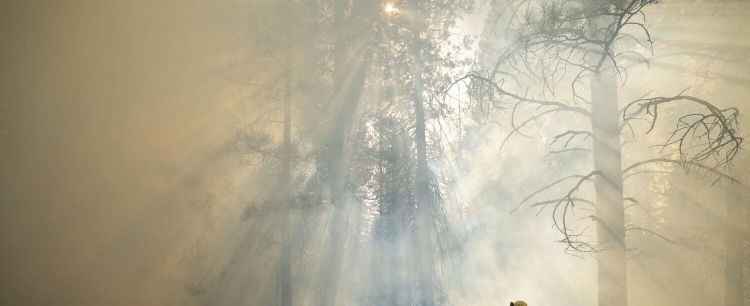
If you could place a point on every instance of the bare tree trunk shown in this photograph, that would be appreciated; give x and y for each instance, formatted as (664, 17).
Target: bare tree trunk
(285, 271)
(735, 225)
(386, 260)
(425, 250)
(610, 210)
(734, 240)
(611, 261)
(336, 150)
(349, 76)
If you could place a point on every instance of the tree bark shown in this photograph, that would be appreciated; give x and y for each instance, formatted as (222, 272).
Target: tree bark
(335, 148)
(610, 212)
(734, 241)
(735, 231)
(425, 250)
(285, 274)
(348, 79)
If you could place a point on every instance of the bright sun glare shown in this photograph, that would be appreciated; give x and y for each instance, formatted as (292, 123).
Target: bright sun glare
(389, 8)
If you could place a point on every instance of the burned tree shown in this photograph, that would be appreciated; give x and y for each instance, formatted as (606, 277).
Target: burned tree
(568, 58)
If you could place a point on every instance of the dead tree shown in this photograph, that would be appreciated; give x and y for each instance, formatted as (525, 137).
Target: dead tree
(559, 50)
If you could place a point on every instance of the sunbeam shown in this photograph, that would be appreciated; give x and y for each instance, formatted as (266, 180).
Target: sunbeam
(405, 152)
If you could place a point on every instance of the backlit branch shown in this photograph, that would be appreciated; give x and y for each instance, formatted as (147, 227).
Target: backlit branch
(564, 207)
(698, 137)
(633, 228)
(566, 204)
(571, 135)
(682, 163)
(499, 91)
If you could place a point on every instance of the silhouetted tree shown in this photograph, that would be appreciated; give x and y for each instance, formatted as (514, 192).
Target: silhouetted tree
(560, 48)
(271, 134)
(389, 141)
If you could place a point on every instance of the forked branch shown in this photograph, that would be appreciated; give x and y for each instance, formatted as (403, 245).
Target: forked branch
(708, 138)
(564, 208)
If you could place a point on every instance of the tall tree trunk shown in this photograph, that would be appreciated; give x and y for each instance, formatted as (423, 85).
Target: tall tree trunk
(335, 148)
(348, 79)
(285, 271)
(734, 285)
(386, 260)
(425, 251)
(610, 210)
(611, 261)
(734, 230)
(734, 241)
(735, 236)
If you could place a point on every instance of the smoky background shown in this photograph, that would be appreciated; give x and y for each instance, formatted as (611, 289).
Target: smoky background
(124, 178)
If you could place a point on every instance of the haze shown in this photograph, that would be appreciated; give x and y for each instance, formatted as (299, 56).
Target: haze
(348, 152)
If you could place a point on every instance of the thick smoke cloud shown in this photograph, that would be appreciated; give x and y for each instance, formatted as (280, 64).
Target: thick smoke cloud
(111, 125)
(120, 185)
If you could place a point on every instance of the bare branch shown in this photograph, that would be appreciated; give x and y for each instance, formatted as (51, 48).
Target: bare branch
(552, 185)
(542, 103)
(625, 177)
(572, 135)
(699, 137)
(683, 164)
(566, 204)
(570, 150)
(651, 232)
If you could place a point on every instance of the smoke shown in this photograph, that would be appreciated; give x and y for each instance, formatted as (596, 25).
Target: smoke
(121, 181)
(111, 137)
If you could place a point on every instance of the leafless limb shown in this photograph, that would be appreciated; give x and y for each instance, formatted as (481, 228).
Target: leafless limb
(639, 252)
(560, 40)
(564, 207)
(624, 177)
(561, 106)
(569, 150)
(650, 232)
(684, 164)
(631, 200)
(571, 135)
(556, 35)
(698, 137)
(547, 187)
